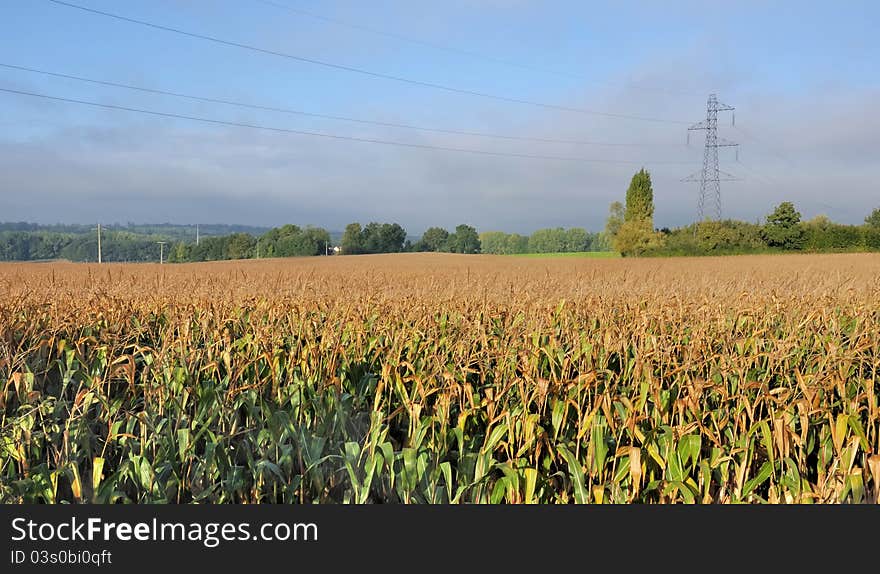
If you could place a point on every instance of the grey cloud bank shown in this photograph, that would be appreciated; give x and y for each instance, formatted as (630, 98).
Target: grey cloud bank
(136, 169)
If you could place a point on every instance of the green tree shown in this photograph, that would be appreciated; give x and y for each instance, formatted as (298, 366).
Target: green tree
(392, 238)
(783, 228)
(179, 253)
(636, 238)
(872, 238)
(640, 199)
(602, 242)
(577, 239)
(631, 229)
(209, 249)
(371, 237)
(434, 239)
(382, 238)
(517, 243)
(494, 242)
(547, 241)
(616, 216)
(464, 240)
(318, 239)
(240, 246)
(727, 236)
(352, 239)
(501, 243)
(872, 230)
(822, 234)
(293, 241)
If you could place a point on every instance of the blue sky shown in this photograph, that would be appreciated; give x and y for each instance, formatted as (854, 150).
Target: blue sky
(802, 75)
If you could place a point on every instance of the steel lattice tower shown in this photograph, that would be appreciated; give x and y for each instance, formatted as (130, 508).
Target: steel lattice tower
(710, 177)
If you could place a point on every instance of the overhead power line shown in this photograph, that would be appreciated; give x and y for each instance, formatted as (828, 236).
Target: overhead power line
(411, 40)
(364, 71)
(323, 116)
(767, 147)
(775, 184)
(329, 136)
(453, 49)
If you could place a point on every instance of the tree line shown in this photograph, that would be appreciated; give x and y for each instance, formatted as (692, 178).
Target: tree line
(630, 230)
(50, 245)
(550, 240)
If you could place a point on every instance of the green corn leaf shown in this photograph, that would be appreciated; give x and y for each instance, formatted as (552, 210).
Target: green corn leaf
(763, 474)
(575, 471)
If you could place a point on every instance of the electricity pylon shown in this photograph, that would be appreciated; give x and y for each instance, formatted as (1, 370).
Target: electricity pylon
(710, 177)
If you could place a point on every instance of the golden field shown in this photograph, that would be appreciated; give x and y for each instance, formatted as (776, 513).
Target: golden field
(439, 378)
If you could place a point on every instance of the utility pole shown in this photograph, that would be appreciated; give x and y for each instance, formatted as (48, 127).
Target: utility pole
(99, 241)
(326, 249)
(710, 177)
(197, 233)
(161, 251)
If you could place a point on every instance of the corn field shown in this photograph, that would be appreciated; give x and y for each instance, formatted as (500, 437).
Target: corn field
(430, 378)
